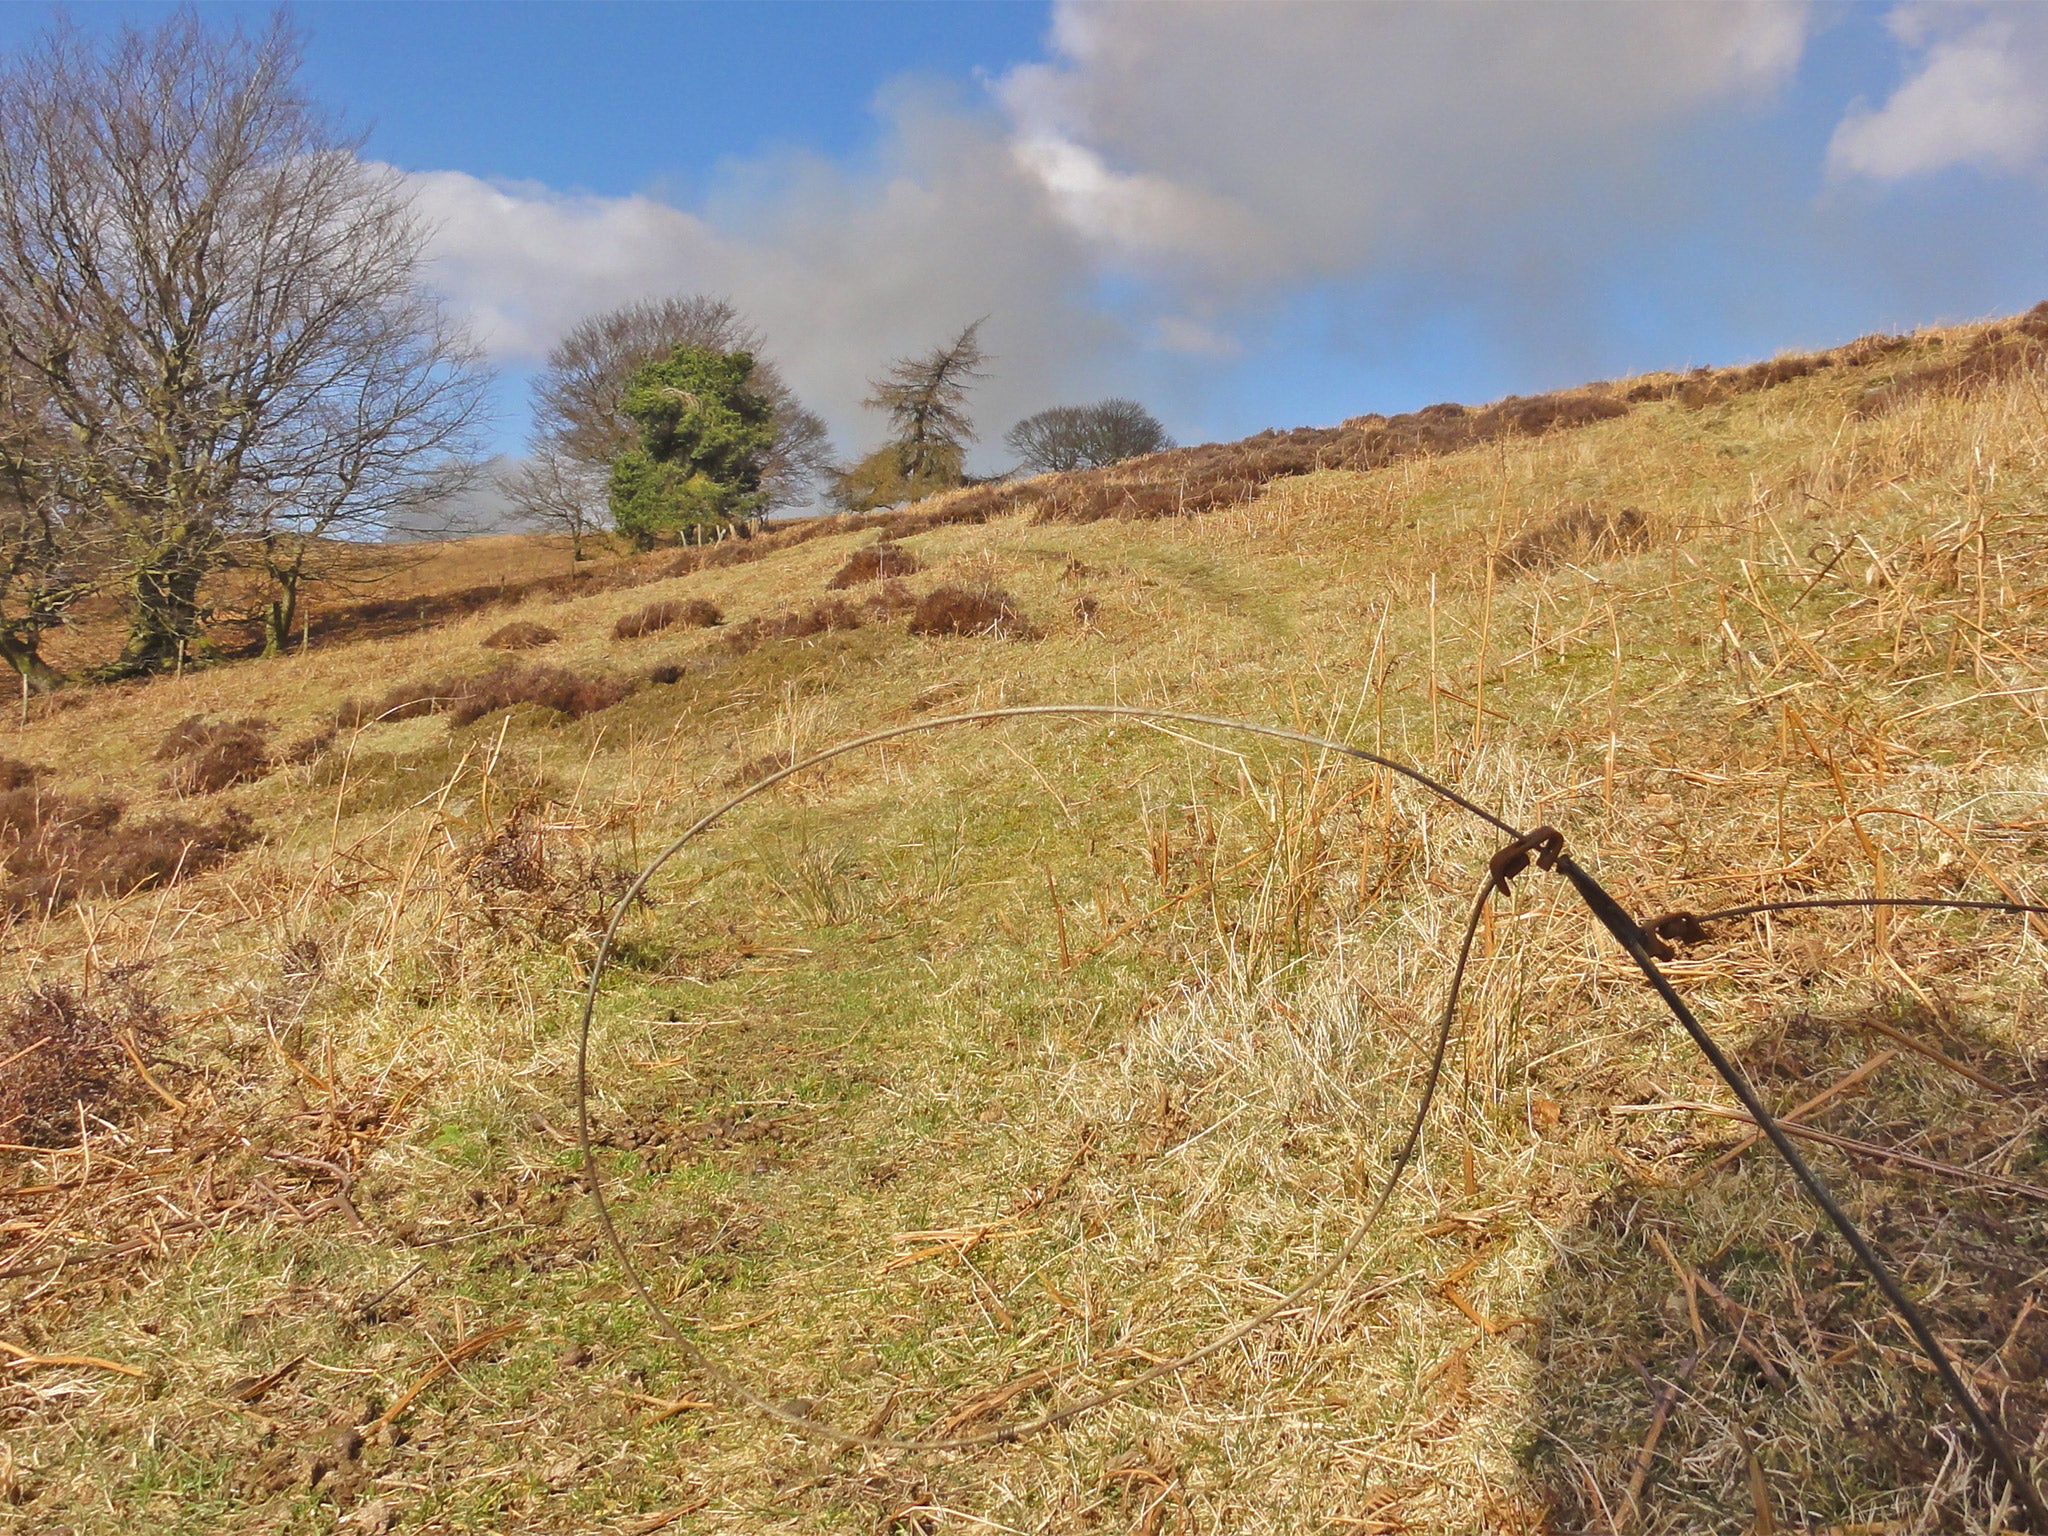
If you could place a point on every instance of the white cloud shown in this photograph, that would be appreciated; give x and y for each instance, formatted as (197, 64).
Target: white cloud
(1275, 141)
(1148, 195)
(841, 271)
(1978, 97)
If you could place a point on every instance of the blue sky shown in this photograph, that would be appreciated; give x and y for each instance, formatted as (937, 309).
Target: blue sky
(1246, 216)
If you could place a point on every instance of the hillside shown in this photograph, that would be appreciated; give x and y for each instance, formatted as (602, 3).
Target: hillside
(966, 1075)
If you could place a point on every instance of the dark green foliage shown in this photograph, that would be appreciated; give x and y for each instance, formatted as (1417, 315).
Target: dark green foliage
(704, 435)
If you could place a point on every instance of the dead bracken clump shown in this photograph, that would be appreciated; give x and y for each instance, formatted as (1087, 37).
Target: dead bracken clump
(689, 613)
(872, 564)
(207, 756)
(468, 699)
(535, 882)
(55, 848)
(890, 599)
(950, 610)
(63, 1057)
(1577, 533)
(520, 635)
(820, 618)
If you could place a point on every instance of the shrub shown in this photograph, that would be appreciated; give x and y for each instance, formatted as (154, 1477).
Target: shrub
(689, 613)
(1994, 355)
(873, 563)
(61, 1057)
(890, 599)
(207, 756)
(820, 618)
(55, 849)
(305, 748)
(520, 635)
(534, 883)
(468, 699)
(950, 610)
(1578, 532)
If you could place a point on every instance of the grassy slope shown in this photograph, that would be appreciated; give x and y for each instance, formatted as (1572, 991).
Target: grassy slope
(847, 1018)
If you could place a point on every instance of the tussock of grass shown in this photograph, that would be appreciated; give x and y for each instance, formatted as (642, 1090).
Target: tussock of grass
(951, 610)
(467, 699)
(520, 635)
(207, 756)
(687, 613)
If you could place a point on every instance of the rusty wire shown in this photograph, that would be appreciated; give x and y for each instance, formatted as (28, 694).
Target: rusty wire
(1644, 944)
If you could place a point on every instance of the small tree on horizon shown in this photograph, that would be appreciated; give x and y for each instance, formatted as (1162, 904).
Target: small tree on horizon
(1070, 437)
(926, 401)
(704, 434)
(580, 425)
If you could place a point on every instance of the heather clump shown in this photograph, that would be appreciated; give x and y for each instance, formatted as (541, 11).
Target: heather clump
(468, 699)
(951, 610)
(820, 618)
(207, 756)
(520, 635)
(873, 563)
(57, 848)
(67, 1058)
(684, 613)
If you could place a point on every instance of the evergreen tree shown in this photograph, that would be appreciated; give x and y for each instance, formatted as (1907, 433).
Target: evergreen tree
(705, 431)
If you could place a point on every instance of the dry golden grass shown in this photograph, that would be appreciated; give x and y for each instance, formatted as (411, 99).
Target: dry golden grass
(972, 1073)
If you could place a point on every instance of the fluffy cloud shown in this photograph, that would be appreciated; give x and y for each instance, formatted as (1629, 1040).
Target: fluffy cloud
(842, 271)
(1132, 212)
(1263, 142)
(1978, 97)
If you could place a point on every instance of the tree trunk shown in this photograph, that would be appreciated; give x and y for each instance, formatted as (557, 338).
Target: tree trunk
(163, 619)
(279, 614)
(21, 654)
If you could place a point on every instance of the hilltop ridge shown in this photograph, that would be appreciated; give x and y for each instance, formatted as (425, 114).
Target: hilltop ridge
(964, 1076)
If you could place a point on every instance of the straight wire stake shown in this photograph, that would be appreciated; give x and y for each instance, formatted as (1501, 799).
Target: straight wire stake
(1630, 937)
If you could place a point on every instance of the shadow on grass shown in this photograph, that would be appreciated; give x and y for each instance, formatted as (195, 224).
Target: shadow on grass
(1724, 1293)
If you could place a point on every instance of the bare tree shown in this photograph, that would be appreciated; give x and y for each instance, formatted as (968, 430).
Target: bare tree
(217, 312)
(1069, 437)
(579, 425)
(557, 492)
